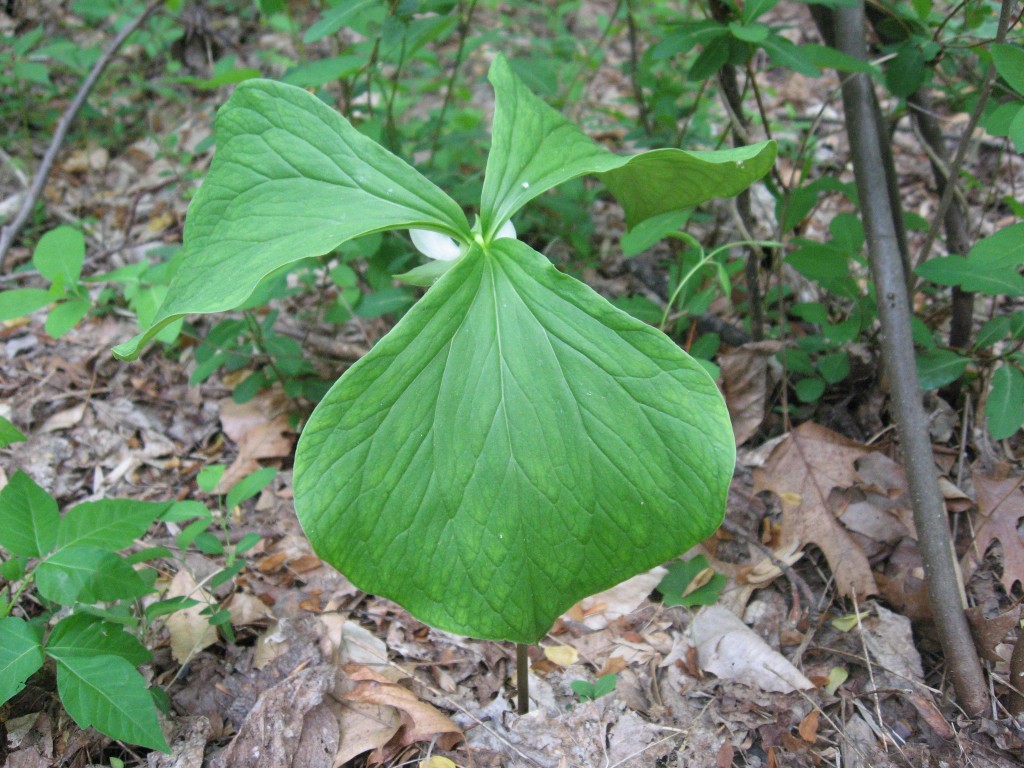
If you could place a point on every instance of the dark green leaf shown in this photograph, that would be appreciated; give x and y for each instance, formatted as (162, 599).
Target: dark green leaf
(679, 579)
(21, 655)
(939, 367)
(28, 518)
(1004, 410)
(110, 524)
(83, 635)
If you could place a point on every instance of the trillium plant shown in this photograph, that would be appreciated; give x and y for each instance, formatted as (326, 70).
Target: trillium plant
(515, 443)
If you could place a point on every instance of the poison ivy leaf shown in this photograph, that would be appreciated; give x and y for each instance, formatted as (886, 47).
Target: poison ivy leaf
(87, 574)
(110, 524)
(535, 148)
(516, 443)
(20, 655)
(28, 518)
(1004, 411)
(109, 694)
(83, 635)
(278, 149)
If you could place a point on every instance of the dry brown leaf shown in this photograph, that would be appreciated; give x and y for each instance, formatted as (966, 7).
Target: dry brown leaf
(261, 430)
(745, 381)
(65, 419)
(810, 463)
(1000, 508)
(246, 608)
(808, 728)
(995, 634)
(600, 610)
(364, 728)
(420, 721)
(190, 631)
(562, 655)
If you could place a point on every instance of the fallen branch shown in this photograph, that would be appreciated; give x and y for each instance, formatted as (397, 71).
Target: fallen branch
(35, 191)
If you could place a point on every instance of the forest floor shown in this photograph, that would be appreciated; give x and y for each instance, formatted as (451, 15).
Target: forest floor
(819, 650)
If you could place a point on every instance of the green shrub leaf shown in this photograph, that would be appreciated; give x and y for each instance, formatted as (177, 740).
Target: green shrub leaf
(109, 694)
(1004, 411)
(9, 433)
(21, 655)
(88, 574)
(59, 256)
(28, 518)
(515, 443)
(938, 367)
(1009, 61)
(279, 149)
(992, 266)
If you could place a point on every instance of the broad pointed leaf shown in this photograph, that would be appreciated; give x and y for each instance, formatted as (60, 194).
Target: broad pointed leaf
(28, 517)
(110, 524)
(291, 179)
(513, 445)
(109, 694)
(20, 655)
(535, 148)
(84, 635)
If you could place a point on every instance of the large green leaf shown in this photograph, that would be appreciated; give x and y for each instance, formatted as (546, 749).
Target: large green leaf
(992, 266)
(88, 574)
(535, 148)
(1004, 410)
(513, 445)
(82, 634)
(20, 655)
(291, 179)
(110, 524)
(28, 518)
(109, 694)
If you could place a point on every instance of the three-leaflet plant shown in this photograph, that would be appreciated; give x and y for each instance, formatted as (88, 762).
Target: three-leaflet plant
(515, 443)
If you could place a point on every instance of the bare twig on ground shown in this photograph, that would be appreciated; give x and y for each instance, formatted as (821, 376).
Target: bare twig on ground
(35, 191)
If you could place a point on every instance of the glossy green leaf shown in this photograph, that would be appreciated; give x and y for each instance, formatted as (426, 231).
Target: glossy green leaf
(109, 694)
(291, 179)
(535, 148)
(84, 635)
(109, 524)
(21, 655)
(992, 266)
(515, 444)
(1004, 410)
(28, 518)
(88, 574)
(939, 367)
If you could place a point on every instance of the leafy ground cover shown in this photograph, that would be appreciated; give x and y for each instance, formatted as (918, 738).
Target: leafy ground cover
(798, 634)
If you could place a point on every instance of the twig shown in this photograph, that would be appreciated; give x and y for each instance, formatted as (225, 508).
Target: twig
(10, 231)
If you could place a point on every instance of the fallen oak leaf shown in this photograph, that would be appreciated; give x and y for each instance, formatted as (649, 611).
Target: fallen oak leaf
(1000, 508)
(803, 470)
(260, 428)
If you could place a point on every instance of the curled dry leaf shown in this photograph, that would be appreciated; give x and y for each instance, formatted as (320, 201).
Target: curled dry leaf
(730, 650)
(190, 631)
(745, 379)
(562, 655)
(808, 465)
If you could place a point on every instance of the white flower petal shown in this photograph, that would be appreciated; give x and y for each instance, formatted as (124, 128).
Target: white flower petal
(507, 230)
(435, 245)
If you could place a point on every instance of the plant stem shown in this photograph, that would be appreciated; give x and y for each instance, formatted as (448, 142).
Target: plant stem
(522, 679)
(890, 276)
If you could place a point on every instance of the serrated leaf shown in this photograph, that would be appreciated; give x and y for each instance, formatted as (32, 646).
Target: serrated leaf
(109, 694)
(278, 148)
(110, 524)
(535, 148)
(516, 443)
(10, 433)
(21, 655)
(28, 517)
(84, 635)
(1004, 410)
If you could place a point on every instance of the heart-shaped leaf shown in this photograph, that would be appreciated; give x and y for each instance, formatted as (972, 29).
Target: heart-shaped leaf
(513, 445)
(291, 179)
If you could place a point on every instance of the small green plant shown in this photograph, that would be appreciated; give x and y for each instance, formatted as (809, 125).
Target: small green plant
(515, 443)
(72, 564)
(588, 691)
